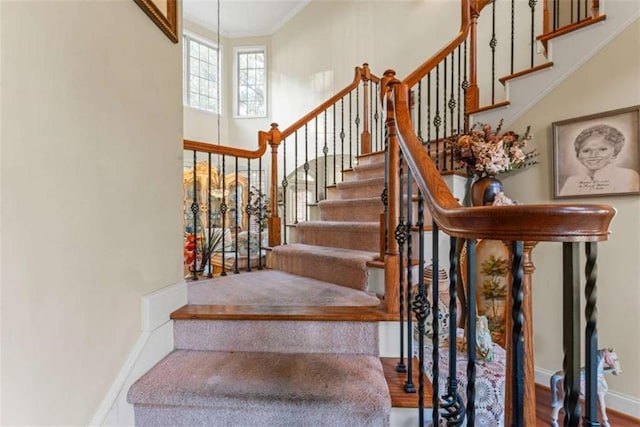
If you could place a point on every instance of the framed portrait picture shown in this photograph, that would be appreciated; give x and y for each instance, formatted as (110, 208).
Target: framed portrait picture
(597, 155)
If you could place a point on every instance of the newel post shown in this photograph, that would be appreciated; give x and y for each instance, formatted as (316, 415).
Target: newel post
(274, 220)
(473, 92)
(365, 138)
(391, 259)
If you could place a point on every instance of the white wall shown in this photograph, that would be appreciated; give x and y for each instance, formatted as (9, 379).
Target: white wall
(608, 81)
(91, 197)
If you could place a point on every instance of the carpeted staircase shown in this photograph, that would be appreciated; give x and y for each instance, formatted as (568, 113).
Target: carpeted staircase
(293, 346)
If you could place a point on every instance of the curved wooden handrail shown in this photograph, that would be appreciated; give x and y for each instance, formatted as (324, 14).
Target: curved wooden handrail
(359, 72)
(544, 222)
(413, 78)
(263, 139)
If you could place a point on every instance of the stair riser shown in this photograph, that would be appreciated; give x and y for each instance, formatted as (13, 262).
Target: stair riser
(248, 414)
(364, 189)
(371, 158)
(363, 211)
(308, 266)
(340, 238)
(275, 336)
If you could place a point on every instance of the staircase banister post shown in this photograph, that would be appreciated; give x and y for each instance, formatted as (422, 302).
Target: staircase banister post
(473, 92)
(274, 137)
(392, 260)
(365, 137)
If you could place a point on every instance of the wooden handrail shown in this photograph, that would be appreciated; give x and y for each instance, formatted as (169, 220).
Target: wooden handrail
(263, 139)
(413, 78)
(544, 222)
(359, 73)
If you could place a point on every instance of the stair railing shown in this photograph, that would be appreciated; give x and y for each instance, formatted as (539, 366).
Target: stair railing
(225, 211)
(318, 147)
(566, 224)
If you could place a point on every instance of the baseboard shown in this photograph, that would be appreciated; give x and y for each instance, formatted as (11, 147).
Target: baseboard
(617, 401)
(155, 342)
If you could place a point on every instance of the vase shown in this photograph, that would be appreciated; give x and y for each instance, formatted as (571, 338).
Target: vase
(484, 191)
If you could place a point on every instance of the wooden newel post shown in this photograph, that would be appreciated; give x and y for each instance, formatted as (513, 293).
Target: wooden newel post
(274, 220)
(473, 92)
(365, 138)
(391, 259)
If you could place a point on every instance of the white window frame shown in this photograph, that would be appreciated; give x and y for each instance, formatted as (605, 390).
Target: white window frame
(188, 35)
(236, 86)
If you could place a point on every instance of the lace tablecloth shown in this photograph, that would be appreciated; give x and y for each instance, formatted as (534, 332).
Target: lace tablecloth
(490, 382)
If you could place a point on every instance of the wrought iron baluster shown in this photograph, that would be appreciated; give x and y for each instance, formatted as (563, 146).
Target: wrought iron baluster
(285, 184)
(513, 32)
(207, 263)
(249, 210)
(306, 173)
(223, 214)
(409, 387)
(375, 117)
(452, 401)
(401, 237)
(591, 336)
(571, 332)
(195, 209)
(357, 119)
(421, 308)
(342, 136)
(444, 115)
(350, 128)
(452, 107)
(517, 336)
(429, 114)
(437, 121)
(238, 209)
(435, 325)
(465, 86)
(334, 144)
(315, 178)
(325, 151)
(296, 189)
(261, 212)
(419, 118)
(471, 332)
(493, 43)
(532, 5)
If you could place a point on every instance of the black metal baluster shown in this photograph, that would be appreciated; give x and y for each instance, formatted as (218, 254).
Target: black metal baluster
(517, 336)
(248, 210)
(295, 179)
(465, 86)
(223, 213)
(374, 146)
(379, 146)
(419, 118)
(409, 387)
(513, 32)
(325, 151)
(401, 237)
(453, 403)
(532, 5)
(471, 332)
(306, 173)
(591, 337)
(429, 113)
(571, 332)
(207, 263)
(195, 209)
(316, 177)
(261, 211)
(435, 324)
(493, 43)
(285, 184)
(237, 214)
(334, 144)
(350, 128)
(421, 308)
(385, 193)
(452, 107)
(437, 121)
(444, 115)
(459, 85)
(342, 135)
(578, 14)
(357, 120)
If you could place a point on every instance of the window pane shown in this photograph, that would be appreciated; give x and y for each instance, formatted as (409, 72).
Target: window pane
(242, 77)
(193, 48)
(242, 61)
(204, 87)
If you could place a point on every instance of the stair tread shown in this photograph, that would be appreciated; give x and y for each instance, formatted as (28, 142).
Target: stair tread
(359, 225)
(329, 253)
(226, 380)
(359, 201)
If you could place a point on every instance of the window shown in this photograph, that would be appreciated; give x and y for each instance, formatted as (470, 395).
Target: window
(251, 82)
(201, 73)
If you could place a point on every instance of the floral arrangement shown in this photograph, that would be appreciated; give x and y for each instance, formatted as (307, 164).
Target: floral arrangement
(484, 152)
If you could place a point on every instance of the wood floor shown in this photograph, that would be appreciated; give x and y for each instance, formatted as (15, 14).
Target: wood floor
(400, 399)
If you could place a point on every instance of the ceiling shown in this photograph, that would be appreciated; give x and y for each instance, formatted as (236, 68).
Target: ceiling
(242, 18)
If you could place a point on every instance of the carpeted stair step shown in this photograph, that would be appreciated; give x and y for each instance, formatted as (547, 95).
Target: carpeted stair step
(343, 267)
(365, 209)
(360, 236)
(206, 388)
(365, 171)
(362, 188)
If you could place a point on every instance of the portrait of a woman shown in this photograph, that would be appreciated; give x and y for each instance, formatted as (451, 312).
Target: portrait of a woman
(598, 155)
